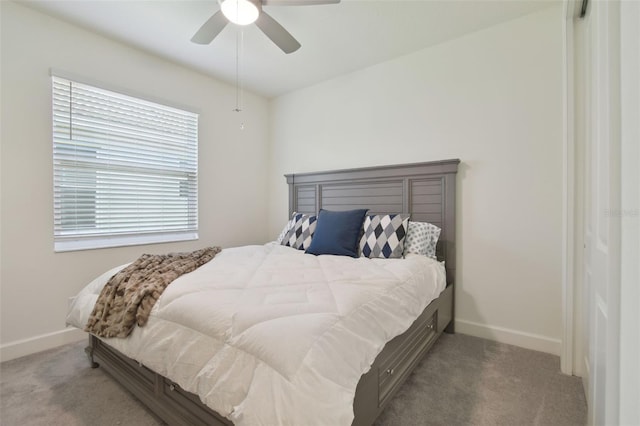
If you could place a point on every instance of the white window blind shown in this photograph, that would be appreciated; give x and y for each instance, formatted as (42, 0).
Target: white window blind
(125, 169)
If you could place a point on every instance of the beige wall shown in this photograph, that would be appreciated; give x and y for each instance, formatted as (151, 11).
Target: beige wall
(36, 282)
(494, 100)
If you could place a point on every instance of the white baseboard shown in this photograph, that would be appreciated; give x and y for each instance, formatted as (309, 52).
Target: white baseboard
(511, 337)
(40, 343)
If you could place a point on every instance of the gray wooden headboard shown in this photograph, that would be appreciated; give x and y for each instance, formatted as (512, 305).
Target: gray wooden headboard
(426, 191)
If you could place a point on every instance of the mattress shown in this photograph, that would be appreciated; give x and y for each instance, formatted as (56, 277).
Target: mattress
(270, 335)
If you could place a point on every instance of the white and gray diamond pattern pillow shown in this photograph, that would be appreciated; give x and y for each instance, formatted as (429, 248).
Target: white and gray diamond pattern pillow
(301, 232)
(422, 238)
(285, 230)
(384, 236)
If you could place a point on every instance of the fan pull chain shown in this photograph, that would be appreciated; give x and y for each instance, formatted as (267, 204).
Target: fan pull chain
(239, 51)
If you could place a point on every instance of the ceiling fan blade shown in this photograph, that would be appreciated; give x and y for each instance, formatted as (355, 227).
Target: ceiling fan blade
(297, 2)
(210, 29)
(277, 33)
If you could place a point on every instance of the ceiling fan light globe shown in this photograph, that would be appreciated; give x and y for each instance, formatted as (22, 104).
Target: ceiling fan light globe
(240, 12)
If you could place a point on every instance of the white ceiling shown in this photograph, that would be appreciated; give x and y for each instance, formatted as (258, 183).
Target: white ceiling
(336, 39)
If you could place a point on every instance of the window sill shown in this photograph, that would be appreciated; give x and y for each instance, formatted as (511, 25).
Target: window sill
(70, 244)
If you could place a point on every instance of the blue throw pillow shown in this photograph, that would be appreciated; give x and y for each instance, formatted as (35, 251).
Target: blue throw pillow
(337, 232)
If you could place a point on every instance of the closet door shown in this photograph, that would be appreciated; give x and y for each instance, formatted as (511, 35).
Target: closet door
(602, 224)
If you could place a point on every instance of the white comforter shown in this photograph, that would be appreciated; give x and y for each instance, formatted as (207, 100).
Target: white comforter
(269, 335)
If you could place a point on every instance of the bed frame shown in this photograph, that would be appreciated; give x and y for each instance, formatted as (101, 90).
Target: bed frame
(427, 191)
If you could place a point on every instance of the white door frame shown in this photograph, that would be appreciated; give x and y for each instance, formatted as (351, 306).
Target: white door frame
(571, 10)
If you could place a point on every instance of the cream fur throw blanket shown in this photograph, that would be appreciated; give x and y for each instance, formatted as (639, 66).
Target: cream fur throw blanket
(127, 299)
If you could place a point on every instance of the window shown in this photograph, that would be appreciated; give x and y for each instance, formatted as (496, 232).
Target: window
(124, 169)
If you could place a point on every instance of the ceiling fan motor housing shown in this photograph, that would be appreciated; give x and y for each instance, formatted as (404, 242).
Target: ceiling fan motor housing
(241, 12)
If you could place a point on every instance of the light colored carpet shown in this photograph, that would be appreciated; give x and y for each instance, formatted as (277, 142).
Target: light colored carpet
(462, 381)
(465, 380)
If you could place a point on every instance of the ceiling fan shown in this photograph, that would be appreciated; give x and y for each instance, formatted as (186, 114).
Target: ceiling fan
(245, 12)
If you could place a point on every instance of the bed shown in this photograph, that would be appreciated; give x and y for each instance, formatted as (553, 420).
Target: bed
(426, 191)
